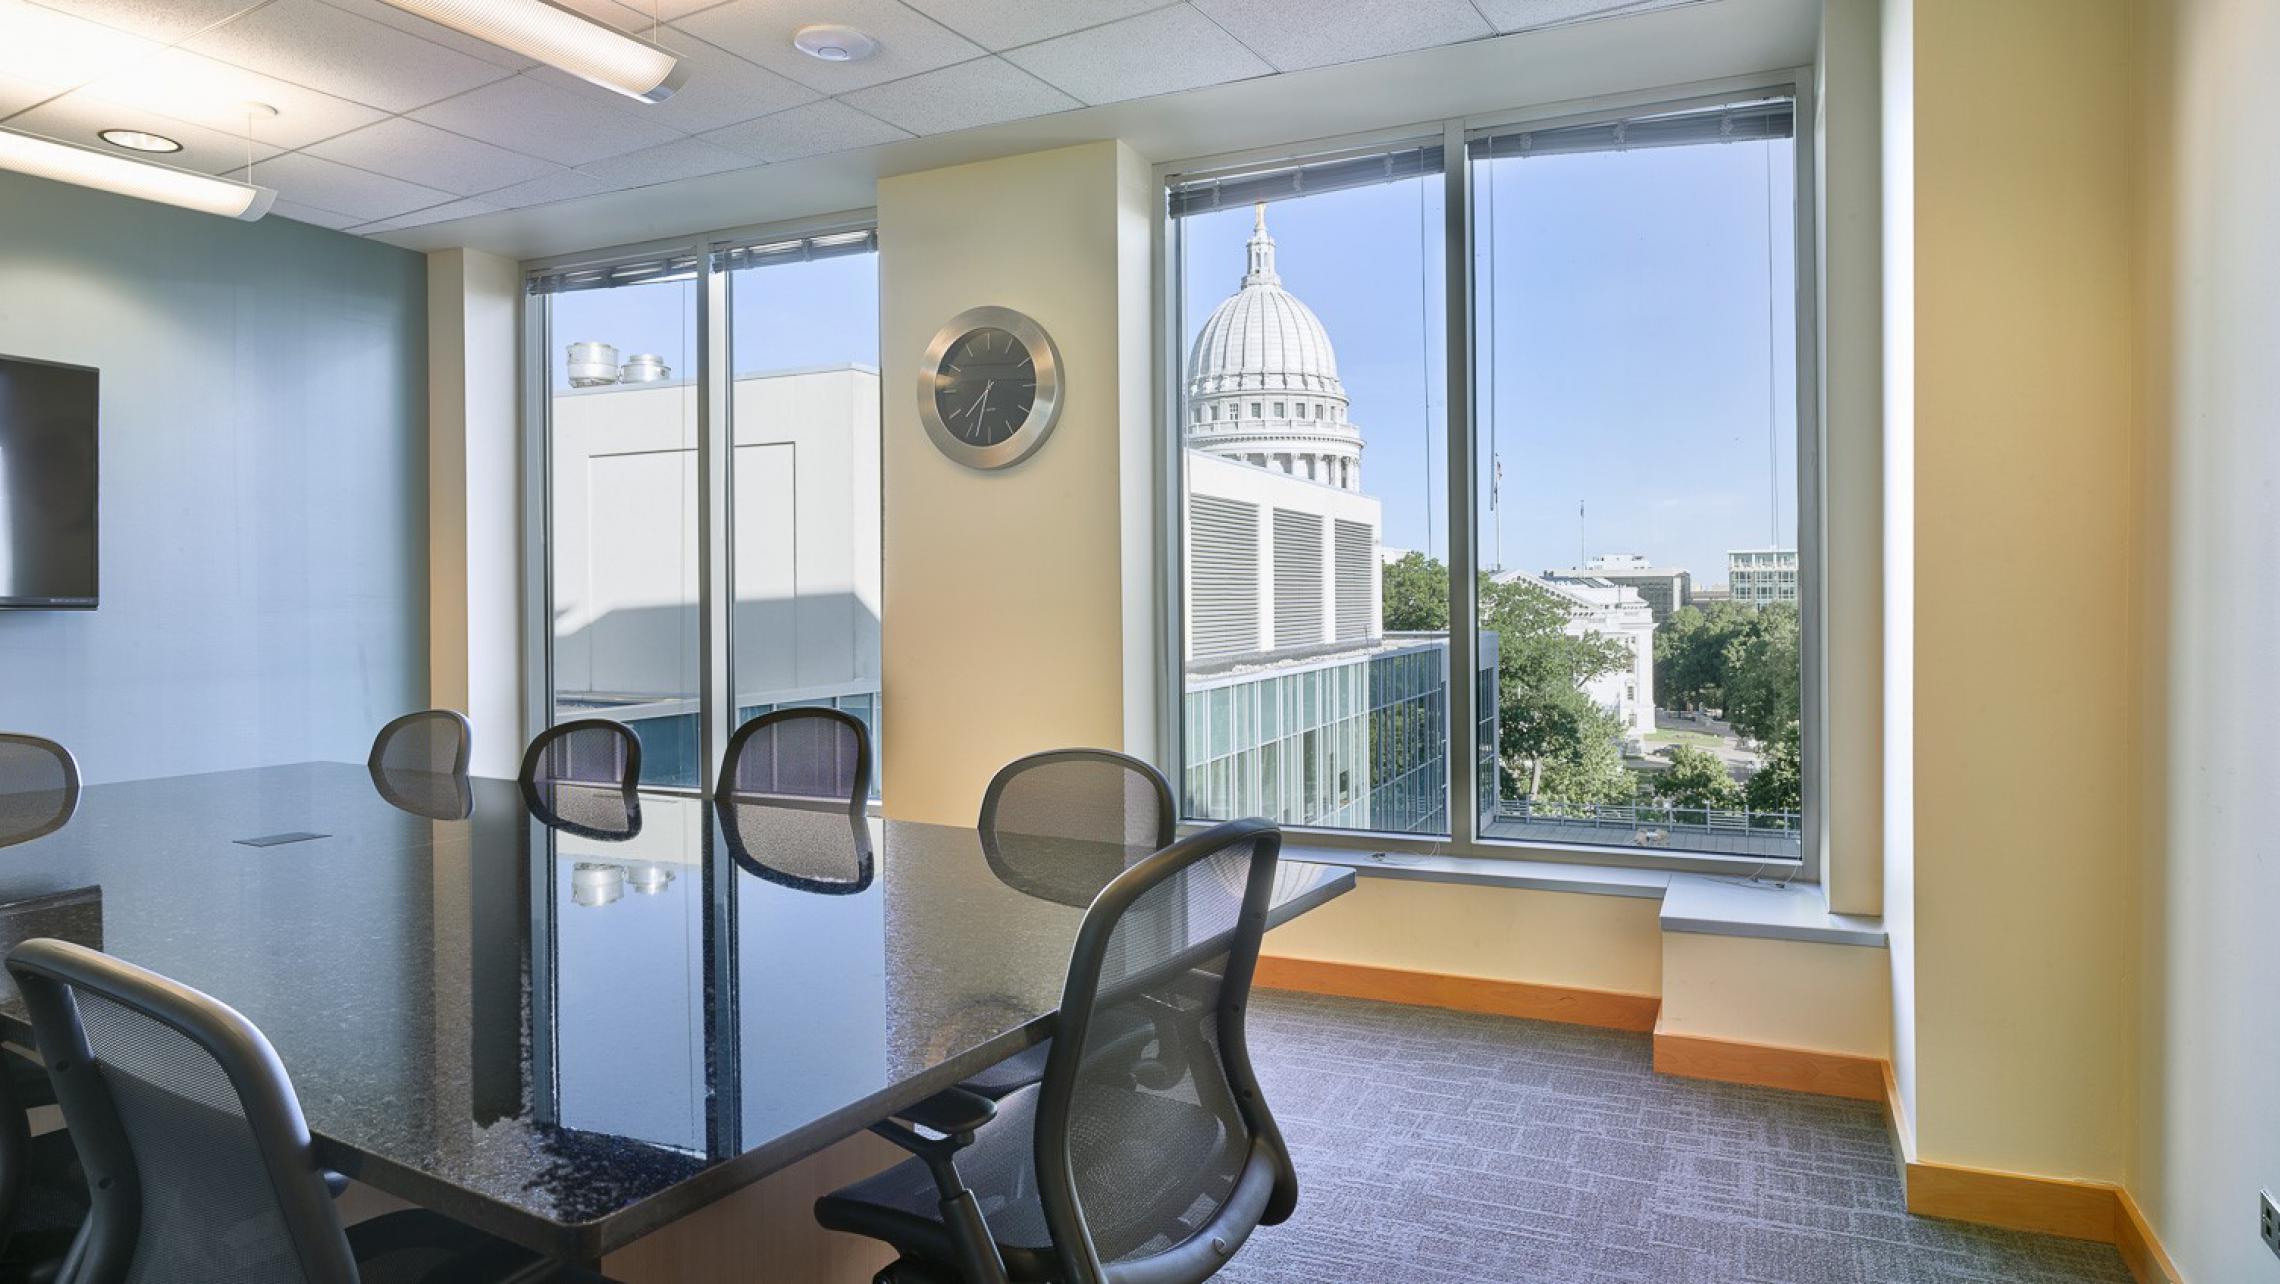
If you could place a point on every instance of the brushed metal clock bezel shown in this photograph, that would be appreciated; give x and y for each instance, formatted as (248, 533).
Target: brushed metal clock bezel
(1044, 409)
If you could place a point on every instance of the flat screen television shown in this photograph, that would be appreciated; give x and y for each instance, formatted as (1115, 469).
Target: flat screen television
(47, 485)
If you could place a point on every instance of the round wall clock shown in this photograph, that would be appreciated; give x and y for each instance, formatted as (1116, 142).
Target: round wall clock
(989, 387)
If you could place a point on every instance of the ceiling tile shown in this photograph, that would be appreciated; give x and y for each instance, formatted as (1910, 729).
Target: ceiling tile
(42, 48)
(165, 21)
(813, 130)
(526, 114)
(1002, 24)
(561, 185)
(685, 159)
(636, 15)
(311, 180)
(1156, 53)
(212, 93)
(16, 94)
(722, 88)
(79, 118)
(300, 213)
(310, 43)
(407, 149)
(1295, 34)
(388, 15)
(1526, 15)
(985, 91)
(432, 214)
(761, 30)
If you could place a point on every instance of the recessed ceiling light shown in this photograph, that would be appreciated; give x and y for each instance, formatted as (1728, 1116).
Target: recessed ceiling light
(834, 42)
(135, 140)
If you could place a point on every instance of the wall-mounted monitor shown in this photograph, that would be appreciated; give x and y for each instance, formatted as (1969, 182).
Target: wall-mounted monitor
(48, 489)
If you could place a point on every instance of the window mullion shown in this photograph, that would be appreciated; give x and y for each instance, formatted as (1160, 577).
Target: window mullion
(1457, 365)
(716, 710)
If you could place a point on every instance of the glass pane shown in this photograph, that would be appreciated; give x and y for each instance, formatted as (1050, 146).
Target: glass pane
(623, 402)
(1313, 436)
(1637, 515)
(804, 411)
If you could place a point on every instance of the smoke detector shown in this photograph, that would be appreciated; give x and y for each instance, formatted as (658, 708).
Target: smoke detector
(834, 42)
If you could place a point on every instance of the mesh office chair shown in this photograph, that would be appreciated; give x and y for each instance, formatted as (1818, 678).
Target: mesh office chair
(815, 753)
(43, 1194)
(200, 1166)
(1061, 826)
(39, 787)
(1116, 1168)
(436, 741)
(580, 777)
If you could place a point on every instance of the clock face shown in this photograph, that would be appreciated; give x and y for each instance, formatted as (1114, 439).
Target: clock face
(985, 386)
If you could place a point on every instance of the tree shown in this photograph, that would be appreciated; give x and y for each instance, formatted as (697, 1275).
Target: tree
(1779, 784)
(1696, 778)
(1416, 595)
(1691, 653)
(1590, 769)
(1764, 679)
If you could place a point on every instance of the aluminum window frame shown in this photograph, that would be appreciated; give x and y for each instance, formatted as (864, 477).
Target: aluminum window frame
(1455, 134)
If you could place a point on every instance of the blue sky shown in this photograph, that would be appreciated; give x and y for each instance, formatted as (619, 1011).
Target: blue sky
(1627, 317)
(1623, 297)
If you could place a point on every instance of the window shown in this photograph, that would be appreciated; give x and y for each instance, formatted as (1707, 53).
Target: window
(797, 433)
(1632, 603)
(622, 422)
(1306, 698)
(1633, 297)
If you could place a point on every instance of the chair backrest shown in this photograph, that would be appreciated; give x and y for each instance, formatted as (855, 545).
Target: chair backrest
(39, 787)
(587, 751)
(799, 753)
(1061, 825)
(1156, 1155)
(76, 914)
(199, 1164)
(432, 740)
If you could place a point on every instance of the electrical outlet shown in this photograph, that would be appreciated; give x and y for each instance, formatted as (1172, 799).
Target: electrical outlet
(2268, 1221)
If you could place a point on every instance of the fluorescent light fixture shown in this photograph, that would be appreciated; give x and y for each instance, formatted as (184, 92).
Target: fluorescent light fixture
(559, 38)
(144, 180)
(138, 140)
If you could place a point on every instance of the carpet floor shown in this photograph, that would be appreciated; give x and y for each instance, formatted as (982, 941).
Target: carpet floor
(1443, 1147)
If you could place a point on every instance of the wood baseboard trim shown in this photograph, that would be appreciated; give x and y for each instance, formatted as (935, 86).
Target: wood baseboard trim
(1606, 1009)
(1765, 1065)
(2097, 1211)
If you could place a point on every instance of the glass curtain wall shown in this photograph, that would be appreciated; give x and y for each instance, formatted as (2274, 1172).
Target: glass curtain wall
(1635, 333)
(1313, 468)
(804, 414)
(621, 401)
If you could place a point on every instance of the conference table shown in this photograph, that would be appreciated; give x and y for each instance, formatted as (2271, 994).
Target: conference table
(568, 1028)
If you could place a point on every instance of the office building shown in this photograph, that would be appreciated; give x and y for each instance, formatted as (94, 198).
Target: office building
(1663, 588)
(1762, 576)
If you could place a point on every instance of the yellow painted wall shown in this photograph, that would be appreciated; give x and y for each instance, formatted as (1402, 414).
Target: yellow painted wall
(1793, 994)
(2025, 452)
(1546, 938)
(2208, 1119)
(1007, 589)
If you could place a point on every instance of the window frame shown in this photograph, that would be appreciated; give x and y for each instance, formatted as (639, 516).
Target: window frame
(716, 482)
(1454, 135)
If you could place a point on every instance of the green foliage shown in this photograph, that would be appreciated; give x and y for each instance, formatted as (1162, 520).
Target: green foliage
(1691, 653)
(1764, 678)
(1697, 778)
(1590, 769)
(1416, 595)
(1779, 784)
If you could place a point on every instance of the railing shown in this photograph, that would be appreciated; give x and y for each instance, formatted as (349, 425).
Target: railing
(1644, 817)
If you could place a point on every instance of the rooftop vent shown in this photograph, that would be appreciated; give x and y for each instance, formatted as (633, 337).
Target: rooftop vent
(593, 364)
(644, 367)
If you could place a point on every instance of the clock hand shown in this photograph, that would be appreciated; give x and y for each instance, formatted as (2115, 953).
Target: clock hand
(981, 407)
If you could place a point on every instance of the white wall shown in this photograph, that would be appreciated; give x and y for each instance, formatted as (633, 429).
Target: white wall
(1014, 592)
(2210, 890)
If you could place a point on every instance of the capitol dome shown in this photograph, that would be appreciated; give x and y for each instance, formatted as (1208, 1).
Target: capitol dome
(1263, 381)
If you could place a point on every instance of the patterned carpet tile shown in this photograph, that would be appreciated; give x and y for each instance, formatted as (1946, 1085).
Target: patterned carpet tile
(1448, 1148)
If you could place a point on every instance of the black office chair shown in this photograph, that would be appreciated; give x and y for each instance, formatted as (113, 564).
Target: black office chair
(39, 787)
(802, 752)
(419, 764)
(200, 1166)
(819, 847)
(580, 777)
(1060, 826)
(433, 740)
(1125, 1164)
(43, 1194)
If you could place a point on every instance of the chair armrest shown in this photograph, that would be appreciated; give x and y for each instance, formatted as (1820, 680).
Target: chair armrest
(951, 1111)
(335, 1183)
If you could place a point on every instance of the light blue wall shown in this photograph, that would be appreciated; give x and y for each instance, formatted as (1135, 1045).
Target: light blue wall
(264, 506)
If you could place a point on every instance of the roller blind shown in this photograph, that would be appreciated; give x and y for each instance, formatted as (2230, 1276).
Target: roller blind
(603, 276)
(682, 265)
(1756, 120)
(1236, 189)
(794, 249)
